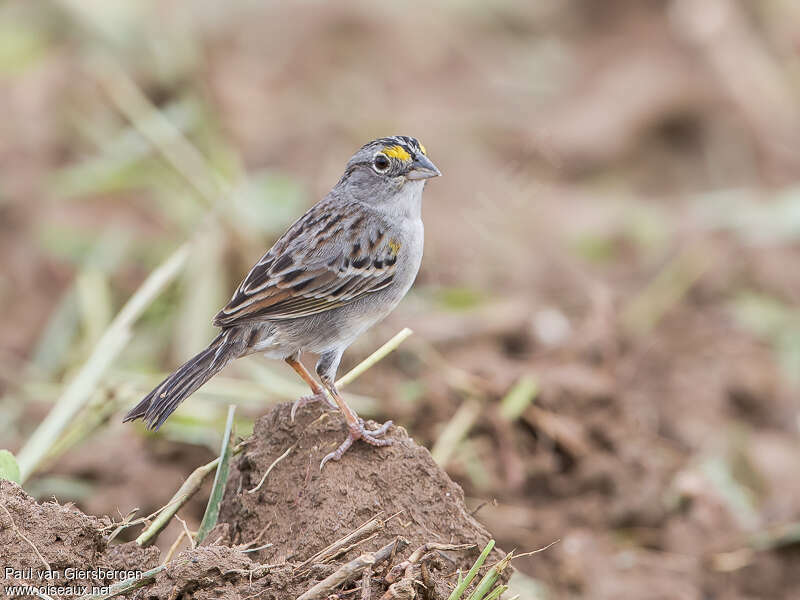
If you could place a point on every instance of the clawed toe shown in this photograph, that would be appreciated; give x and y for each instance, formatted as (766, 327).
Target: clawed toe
(370, 435)
(360, 432)
(306, 400)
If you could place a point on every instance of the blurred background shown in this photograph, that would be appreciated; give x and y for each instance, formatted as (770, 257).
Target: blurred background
(607, 319)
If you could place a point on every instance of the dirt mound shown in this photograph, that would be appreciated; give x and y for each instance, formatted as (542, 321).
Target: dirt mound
(379, 516)
(54, 545)
(301, 510)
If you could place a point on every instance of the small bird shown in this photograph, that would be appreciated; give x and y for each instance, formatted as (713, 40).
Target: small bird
(339, 269)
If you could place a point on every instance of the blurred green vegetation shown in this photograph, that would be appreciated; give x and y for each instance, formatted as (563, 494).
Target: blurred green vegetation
(174, 178)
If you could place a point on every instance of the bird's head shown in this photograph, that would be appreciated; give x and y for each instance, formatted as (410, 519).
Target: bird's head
(387, 165)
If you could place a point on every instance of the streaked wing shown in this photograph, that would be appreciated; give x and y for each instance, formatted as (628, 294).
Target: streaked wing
(328, 258)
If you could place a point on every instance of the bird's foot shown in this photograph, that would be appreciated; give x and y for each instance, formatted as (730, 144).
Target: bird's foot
(360, 432)
(306, 400)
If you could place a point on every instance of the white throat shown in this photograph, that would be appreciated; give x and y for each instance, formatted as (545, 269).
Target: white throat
(408, 203)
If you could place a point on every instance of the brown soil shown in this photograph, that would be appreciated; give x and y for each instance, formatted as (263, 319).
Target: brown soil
(298, 510)
(51, 538)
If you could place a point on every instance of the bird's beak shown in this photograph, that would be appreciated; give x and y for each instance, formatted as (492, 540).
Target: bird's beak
(422, 168)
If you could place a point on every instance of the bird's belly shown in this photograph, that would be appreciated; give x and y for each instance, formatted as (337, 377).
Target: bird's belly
(339, 327)
(335, 328)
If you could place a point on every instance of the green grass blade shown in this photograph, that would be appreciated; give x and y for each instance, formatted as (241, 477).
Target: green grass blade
(218, 489)
(488, 581)
(485, 584)
(496, 592)
(464, 583)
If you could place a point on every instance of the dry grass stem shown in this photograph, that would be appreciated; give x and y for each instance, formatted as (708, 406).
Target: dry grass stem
(272, 466)
(174, 547)
(127, 585)
(352, 570)
(364, 531)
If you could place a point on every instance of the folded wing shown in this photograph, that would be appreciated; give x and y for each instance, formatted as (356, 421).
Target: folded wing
(328, 258)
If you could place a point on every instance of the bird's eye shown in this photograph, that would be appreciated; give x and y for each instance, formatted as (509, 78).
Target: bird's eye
(381, 162)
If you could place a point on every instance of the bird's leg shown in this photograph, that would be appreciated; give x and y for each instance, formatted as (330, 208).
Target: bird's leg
(356, 426)
(326, 368)
(317, 392)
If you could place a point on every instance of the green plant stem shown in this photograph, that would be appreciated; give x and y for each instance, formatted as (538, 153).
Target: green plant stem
(464, 583)
(496, 592)
(187, 490)
(487, 583)
(220, 479)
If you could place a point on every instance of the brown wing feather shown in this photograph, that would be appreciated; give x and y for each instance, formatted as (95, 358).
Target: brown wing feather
(325, 260)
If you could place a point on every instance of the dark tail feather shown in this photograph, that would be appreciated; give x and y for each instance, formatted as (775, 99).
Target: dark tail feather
(159, 404)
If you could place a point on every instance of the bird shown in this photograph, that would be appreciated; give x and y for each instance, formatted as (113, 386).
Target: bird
(338, 270)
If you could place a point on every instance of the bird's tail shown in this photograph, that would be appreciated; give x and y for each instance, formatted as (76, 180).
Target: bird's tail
(159, 404)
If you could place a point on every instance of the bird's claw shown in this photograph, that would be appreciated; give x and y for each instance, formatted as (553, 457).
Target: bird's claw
(306, 400)
(360, 432)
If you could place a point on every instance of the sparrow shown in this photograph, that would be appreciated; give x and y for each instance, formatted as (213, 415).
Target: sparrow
(337, 271)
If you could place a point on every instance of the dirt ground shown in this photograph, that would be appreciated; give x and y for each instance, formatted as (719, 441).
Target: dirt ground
(617, 223)
(301, 509)
(399, 499)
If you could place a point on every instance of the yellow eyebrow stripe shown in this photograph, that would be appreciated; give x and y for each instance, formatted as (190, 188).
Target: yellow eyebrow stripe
(397, 152)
